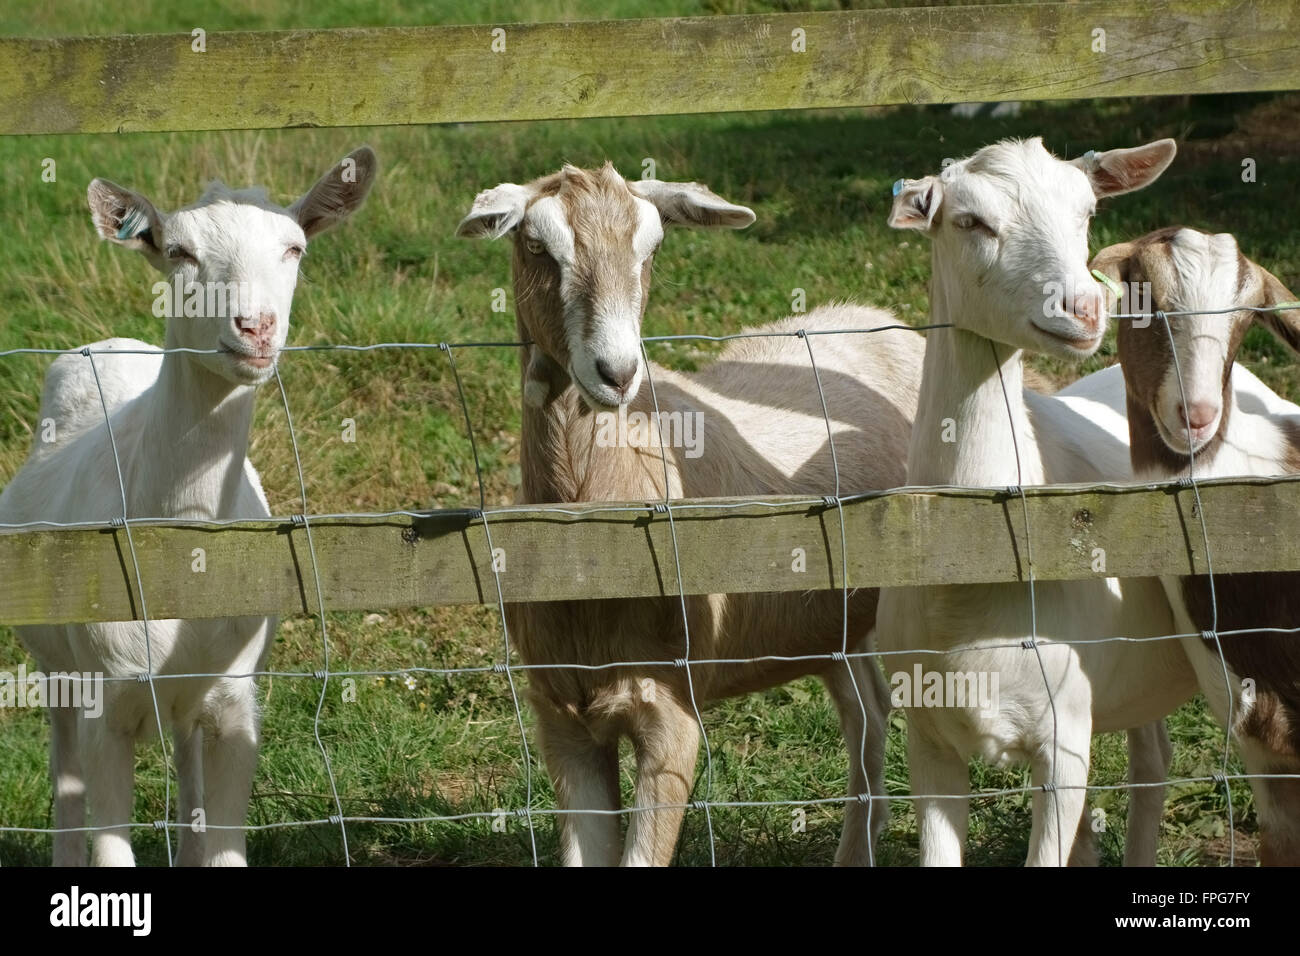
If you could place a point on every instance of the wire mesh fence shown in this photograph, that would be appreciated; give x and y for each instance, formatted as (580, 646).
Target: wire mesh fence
(509, 667)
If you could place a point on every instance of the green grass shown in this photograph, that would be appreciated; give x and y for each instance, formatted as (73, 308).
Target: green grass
(819, 182)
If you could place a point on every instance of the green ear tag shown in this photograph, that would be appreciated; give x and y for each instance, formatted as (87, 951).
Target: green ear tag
(1109, 283)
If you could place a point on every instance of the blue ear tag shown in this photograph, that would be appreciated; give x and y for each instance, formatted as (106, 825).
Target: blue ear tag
(898, 187)
(1090, 157)
(133, 223)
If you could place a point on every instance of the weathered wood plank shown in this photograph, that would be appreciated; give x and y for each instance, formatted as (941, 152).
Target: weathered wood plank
(364, 77)
(900, 539)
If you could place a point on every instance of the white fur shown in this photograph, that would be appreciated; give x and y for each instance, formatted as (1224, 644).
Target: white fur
(180, 427)
(547, 224)
(995, 288)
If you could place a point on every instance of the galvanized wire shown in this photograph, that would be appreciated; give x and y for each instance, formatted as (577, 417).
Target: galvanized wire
(686, 621)
(501, 604)
(144, 607)
(1162, 317)
(669, 507)
(1051, 787)
(844, 592)
(324, 625)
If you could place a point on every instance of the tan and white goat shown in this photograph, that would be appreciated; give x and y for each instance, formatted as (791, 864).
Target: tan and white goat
(584, 244)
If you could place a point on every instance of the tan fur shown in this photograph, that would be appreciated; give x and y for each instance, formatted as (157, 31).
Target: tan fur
(763, 434)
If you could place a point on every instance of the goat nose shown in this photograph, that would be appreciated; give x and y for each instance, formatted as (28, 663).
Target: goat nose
(1198, 414)
(1087, 309)
(617, 376)
(259, 327)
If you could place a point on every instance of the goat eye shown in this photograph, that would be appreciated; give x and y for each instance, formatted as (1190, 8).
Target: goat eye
(534, 246)
(966, 221)
(180, 252)
(294, 252)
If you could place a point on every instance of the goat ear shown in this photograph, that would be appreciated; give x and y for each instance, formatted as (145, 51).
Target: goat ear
(916, 203)
(691, 204)
(125, 217)
(337, 194)
(1114, 261)
(1285, 324)
(1119, 171)
(495, 212)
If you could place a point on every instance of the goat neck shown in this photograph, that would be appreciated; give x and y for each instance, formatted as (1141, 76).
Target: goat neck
(202, 421)
(971, 420)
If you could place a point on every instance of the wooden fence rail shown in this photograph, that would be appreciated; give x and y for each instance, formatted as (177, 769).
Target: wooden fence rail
(904, 538)
(625, 68)
(376, 77)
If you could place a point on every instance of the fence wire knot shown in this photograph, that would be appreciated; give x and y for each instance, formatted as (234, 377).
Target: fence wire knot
(142, 678)
(839, 656)
(1219, 778)
(1186, 483)
(160, 825)
(1029, 643)
(659, 508)
(498, 668)
(699, 805)
(320, 674)
(1209, 635)
(802, 333)
(335, 819)
(679, 662)
(1161, 317)
(1015, 491)
(85, 350)
(1049, 787)
(299, 520)
(444, 347)
(831, 501)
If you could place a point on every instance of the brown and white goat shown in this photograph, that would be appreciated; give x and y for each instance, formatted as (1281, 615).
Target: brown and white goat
(584, 243)
(1192, 401)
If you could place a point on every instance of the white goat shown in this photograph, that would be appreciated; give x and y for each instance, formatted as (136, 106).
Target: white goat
(1010, 231)
(180, 428)
(583, 247)
(1194, 400)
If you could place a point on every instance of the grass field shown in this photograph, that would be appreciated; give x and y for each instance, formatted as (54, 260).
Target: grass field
(819, 182)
